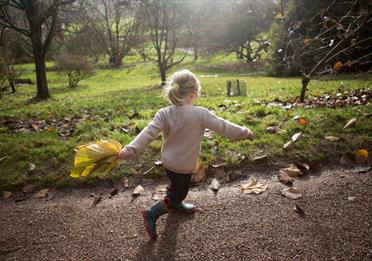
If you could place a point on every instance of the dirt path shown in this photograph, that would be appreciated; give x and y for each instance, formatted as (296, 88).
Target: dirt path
(231, 226)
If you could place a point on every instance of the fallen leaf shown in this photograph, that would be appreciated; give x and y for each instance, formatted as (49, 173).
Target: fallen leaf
(292, 193)
(260, 158)
(200, 173)
(126, 183)
(285, 178)
(34, 126)
(30, 167)
(149, 170)
(297, 136)
(362, 169)
(303, 166)
(97, 199)
(361, 155)
(337, 66)
(347, 160)
(29, 188)
(350, 123)
(252, 186)
(138, 190)
(161, 188)
(302, 121)
(274, 129)
(3, 158)
(299, 210)
(42, 193)
(215, 185)
(292, 171)
(7, 194)
(219, 163)
(332, 138)
(351, 198)
(288, 145)
(158, 163)
(307, 40)
(113, 192)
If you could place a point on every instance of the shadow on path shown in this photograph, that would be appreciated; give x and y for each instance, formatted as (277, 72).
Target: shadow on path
(164, 248)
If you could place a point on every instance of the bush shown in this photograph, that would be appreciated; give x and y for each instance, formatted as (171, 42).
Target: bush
(76, 67)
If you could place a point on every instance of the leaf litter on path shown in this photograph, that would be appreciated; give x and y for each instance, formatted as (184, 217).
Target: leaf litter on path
(42, 193)
(291, 193)
(252, 186)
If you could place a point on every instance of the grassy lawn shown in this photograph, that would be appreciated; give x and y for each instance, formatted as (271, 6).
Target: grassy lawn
(108, 101)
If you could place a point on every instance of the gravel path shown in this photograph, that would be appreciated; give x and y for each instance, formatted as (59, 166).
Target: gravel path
(230, 225)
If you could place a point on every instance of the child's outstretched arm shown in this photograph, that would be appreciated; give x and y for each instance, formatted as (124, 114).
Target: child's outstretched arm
(226, 128)
(144, 138)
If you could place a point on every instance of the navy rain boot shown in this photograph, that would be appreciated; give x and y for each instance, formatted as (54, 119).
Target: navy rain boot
(152, 214)
(185, 208)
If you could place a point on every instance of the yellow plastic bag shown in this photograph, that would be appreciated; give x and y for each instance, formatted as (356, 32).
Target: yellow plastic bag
(99, 156)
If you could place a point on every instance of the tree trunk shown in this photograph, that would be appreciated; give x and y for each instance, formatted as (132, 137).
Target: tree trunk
(12, 85)
(163, 76)
(305, 82)
(39, 57)
(196, 52)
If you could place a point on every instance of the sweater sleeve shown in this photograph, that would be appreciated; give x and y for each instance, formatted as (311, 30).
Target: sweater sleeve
(146, 136)
(224, 127)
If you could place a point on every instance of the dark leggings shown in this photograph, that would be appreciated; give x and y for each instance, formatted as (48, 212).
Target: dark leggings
(179, 187)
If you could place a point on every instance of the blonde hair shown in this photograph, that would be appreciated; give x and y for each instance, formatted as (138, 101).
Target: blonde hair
(181, 84)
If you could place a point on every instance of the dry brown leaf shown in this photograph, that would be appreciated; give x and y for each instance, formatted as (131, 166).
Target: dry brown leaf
(219, 163)
(29, 188)
(252, 186)
(161, 188)
(337, 66)
(30, 167)
(288, 145)
(126, 183)
(350, 123)
(42, 193)
(297, 136)
(200, 173)
(285, 178)
(97, 199)
(292, 193)
(215, 185)
(332, 138)
(302, 121)
(260, 158)
(3, 158)
(138, 190)
(7, 194)
(303, 166)
(292, 171)
(113, 192)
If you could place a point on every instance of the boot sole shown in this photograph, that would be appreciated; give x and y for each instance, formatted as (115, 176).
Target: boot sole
(147, 227)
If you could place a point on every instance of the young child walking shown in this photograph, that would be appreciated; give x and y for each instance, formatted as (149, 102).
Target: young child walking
(183, 126)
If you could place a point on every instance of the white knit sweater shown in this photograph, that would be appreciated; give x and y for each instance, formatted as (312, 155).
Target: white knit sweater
(183, 129)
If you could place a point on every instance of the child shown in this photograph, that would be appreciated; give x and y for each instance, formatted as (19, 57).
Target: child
(183, 126)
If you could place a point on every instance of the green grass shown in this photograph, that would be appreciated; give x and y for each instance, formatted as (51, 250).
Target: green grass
(110, 96)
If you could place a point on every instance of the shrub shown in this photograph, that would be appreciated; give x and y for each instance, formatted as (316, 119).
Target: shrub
(76, 67)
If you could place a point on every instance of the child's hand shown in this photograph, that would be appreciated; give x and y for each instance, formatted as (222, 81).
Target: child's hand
(124, 154)
(248, 134)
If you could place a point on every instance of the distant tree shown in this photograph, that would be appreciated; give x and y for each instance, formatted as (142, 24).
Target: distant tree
(163, 21)
(249, 19)
(338, 35)
(38, 20)
(76, 67)
(7, 69)
(115, 23)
